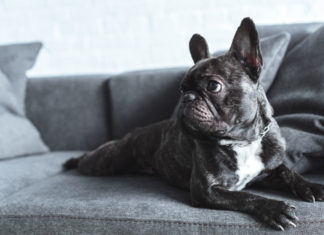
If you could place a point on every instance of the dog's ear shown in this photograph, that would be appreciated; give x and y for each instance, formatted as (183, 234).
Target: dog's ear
(246, 48)
(198, 48)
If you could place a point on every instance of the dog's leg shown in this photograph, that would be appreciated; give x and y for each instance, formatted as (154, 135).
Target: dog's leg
(134, 152)
(283, 177)
(277, 214)
(108, 159)
(208, 192)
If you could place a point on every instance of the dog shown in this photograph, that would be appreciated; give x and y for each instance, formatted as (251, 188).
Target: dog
(222, 140)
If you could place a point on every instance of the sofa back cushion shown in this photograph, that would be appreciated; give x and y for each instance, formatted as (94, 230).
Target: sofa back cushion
(71, 112)
(298, 32)
(143, 97)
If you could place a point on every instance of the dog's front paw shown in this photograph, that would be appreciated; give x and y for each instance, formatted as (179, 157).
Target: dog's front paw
(277, 214)
(308, 191)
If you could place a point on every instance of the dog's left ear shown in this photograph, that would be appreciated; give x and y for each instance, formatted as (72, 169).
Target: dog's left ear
(246, 48)
(198, 48)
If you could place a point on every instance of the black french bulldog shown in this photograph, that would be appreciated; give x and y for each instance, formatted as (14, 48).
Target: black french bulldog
(223, 138)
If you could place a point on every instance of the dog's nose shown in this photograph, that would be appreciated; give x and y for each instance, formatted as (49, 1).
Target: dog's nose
(188, 97)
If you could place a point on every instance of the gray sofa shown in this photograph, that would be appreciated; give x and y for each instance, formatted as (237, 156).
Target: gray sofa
(78, 113)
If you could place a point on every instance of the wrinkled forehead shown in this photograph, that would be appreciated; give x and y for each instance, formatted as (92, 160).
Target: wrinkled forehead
(224, 66)
(228, 69)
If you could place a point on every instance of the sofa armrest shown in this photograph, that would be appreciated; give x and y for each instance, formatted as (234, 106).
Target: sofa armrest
(142, 97)
(71, 112)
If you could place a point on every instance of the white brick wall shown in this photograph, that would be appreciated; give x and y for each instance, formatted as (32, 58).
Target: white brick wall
(99, 36)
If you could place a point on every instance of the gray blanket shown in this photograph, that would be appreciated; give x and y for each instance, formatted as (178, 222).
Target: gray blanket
(297, 96)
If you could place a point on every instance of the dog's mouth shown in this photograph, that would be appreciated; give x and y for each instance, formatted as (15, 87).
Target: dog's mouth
(203, 122)
(201, 116)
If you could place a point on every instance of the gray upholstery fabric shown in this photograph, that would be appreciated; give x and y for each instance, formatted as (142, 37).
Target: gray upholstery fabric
(70, 112)
(74, 204)
(21, 172)
(17, 135)
(297, 96)
(142, 97)
(297, 31)
(273, 50)
(15, 60)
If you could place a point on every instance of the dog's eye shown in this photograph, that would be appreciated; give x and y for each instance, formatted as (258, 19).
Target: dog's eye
(214, 86)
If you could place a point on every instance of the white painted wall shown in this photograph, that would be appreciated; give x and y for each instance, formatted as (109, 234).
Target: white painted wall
(110, 36)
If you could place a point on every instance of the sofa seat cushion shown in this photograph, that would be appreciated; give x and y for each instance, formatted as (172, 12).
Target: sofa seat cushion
(18, 173)
(72, 204)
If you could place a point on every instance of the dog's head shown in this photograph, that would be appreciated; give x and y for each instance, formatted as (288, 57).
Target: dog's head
(222, 96)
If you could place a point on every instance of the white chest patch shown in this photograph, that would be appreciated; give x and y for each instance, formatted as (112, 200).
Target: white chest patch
(249, 163)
